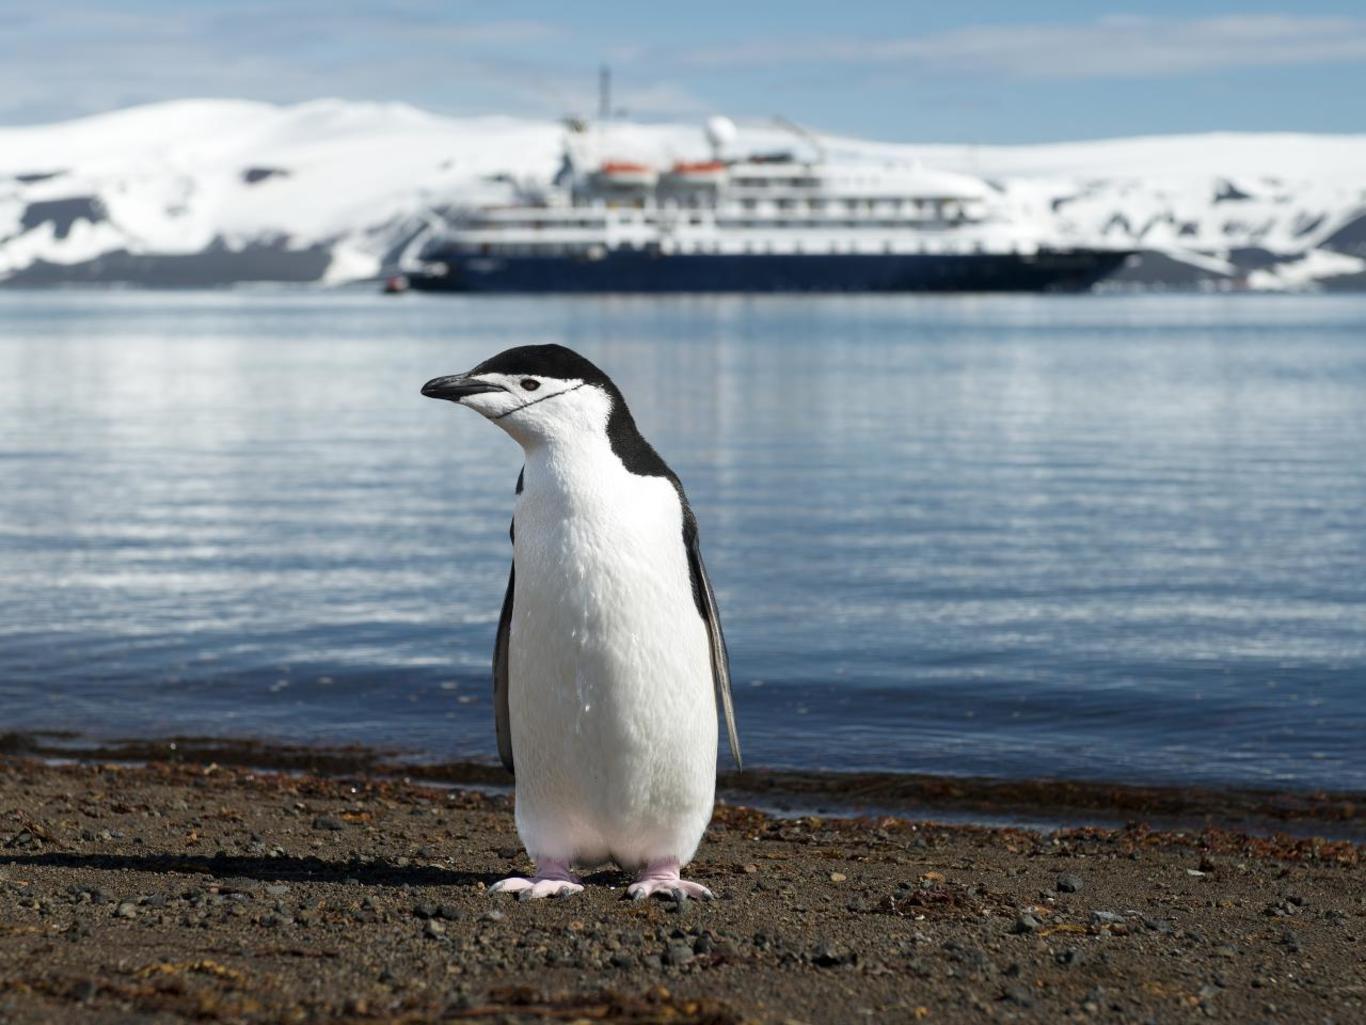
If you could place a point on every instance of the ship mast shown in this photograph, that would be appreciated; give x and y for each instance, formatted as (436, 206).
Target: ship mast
(604, 93)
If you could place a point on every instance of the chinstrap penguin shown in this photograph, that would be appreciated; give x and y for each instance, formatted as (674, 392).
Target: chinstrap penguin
(610, 664)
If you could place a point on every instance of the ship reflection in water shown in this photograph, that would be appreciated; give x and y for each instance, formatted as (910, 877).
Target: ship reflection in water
(787, 221)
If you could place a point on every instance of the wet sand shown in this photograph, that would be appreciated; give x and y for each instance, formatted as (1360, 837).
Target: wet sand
(177, 892)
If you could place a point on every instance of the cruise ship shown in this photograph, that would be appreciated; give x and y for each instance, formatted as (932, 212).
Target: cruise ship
(782, 221)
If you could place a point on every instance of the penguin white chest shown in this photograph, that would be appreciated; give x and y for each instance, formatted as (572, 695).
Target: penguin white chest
(610, 692)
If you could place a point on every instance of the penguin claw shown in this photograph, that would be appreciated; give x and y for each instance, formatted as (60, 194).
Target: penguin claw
(677, 890)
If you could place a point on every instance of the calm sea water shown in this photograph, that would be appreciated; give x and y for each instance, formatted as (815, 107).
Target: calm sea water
(1111, 538)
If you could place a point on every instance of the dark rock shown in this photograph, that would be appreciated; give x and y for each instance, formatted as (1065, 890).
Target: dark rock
(1026, 923)
(426, 910)
(830, 956)
(1069, 884)
(1106, 918)
(1018, 995)
(677, 954)
(84, 990)
(621, 959)
(328, 822)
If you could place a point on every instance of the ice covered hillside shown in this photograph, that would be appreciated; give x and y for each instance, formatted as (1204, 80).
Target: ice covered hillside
(208, 192)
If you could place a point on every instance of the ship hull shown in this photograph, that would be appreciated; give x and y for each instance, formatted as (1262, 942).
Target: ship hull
(639, 271)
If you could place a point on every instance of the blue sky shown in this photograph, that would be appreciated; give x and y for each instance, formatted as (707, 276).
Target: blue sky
(965, 72)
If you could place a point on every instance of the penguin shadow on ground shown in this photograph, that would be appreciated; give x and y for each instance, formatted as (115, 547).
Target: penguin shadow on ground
(309, 869)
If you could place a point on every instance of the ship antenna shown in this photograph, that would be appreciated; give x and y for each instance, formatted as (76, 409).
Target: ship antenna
(804, 133)
(604, 93)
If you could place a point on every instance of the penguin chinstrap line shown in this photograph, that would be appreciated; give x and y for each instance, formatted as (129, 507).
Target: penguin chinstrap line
(610, 664)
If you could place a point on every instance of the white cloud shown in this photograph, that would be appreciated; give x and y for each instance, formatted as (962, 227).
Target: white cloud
(1111, 47)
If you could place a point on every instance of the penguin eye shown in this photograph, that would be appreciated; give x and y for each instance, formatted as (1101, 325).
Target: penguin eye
(530, 384)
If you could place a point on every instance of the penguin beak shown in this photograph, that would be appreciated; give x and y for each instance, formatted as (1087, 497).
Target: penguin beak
(457, 386)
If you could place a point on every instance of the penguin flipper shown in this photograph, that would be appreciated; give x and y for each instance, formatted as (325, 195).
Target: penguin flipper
(500, 675)
(705, 598)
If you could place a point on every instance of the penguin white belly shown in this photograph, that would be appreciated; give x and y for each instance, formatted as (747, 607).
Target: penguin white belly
(610, 698)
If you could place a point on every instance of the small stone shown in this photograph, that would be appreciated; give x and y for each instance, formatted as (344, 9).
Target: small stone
(1106, 918)
(493, 916)
(1026, 923)
(1069, 884)
(433, 928)
(1018, 995)
(621, 959)
(426, 910)
(1160, 925)
(838, 877)
(652, 961)
(677, 954)
(84, 991)
(277, 889)
(126, 909)
(829, 956)
(328, 822)
(450, 913)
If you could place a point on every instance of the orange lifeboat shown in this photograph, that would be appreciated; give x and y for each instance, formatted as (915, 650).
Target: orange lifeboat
(627, 173)
(700, 172)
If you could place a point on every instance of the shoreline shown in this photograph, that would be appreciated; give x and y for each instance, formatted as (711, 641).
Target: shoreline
(1040, 804)
(178, 892)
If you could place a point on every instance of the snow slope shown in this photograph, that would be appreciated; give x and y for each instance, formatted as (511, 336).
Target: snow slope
(212, 191)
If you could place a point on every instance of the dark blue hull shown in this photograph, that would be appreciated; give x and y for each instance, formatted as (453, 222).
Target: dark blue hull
(638, 271)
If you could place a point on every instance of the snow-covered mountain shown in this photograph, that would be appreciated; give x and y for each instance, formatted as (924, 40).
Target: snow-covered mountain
(203, 192)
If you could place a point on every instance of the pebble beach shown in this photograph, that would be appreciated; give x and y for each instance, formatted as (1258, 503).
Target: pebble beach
(188, 892)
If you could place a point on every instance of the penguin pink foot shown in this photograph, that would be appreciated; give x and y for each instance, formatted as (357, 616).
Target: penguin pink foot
(552, 879)
(662, 878)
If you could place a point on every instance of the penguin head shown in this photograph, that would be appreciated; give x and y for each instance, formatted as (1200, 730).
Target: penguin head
(537, 393)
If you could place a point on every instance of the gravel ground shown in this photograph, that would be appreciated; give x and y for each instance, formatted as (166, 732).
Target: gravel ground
(176, 893)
